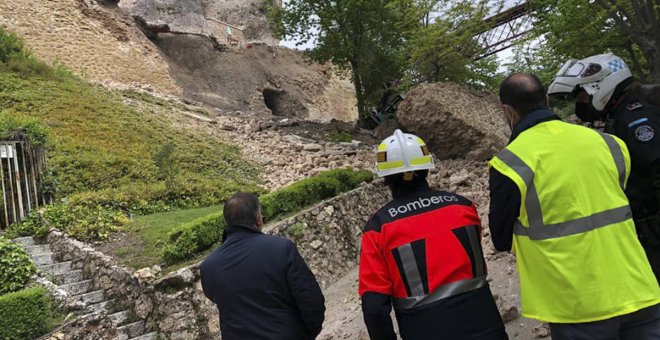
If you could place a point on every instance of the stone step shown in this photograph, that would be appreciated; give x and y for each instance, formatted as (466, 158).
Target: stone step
(119, 318)
(91, 298)
(37, 249)
(43, 259)
(131, 330)
(68, 277)
(150, 336)
(24, 241)
(78, 288)
(57, 268)
(105, 305)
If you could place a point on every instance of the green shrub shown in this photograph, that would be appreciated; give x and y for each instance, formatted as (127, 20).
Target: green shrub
(16, 268)
(31, 226)
(15, 125)
(167, 164)
(26, 314)
(11, 46)
(339, 137)
(192, 238)
(79, 221)
(298, 195)
(311, 190)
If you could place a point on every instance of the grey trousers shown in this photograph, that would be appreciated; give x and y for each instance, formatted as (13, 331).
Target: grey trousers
(641, 325)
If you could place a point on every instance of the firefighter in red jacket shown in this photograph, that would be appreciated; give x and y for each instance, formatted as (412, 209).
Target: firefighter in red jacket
(421, 253)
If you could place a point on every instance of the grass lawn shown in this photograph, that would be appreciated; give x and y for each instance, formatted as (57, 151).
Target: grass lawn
(147, 234)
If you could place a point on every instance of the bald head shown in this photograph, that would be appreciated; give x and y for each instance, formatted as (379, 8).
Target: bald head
(524, 92)
(242, 209)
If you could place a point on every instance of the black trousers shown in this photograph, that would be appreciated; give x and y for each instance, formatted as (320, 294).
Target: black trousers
(641, 325)
(653, 254)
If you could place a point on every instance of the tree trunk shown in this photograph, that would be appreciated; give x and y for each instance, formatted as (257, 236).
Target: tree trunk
(652, 54)
(359, 91)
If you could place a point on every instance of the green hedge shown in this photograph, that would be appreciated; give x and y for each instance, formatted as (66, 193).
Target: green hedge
(199, 235)
(25, 314)
(16, 268)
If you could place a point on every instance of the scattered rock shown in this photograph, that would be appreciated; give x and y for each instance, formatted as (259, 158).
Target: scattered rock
(542, 331)
(509, 313)
(312, 147)
(316, 244)
(145, 275)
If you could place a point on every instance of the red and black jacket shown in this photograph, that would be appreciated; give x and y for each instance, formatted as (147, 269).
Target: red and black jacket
(418, 252)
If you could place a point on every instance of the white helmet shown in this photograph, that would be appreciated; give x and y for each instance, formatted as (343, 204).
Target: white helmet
(598, 75)
(402, 152)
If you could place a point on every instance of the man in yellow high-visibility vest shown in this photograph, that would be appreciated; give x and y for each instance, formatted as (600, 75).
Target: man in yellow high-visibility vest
(557, 199)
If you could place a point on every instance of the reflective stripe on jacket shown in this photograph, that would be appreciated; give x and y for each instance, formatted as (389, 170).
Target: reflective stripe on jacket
(577, 250)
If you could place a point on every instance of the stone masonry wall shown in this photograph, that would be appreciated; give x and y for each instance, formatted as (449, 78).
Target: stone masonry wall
(327, 236)
(117, 281)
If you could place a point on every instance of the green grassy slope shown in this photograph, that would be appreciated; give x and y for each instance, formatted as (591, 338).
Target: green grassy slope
(101, 150)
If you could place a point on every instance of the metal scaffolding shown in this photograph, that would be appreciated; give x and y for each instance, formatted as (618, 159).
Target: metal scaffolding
(505, 29)
(21, 171)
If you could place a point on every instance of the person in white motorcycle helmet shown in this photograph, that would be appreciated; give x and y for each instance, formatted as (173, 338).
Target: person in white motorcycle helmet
(604, 89)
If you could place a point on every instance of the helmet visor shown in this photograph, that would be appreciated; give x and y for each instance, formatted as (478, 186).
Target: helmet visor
(572, 68)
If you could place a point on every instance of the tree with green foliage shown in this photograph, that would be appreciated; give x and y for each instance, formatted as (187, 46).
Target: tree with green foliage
(357, 36)
(579, 28)
(443, 48)
(380, 41)
(640, 21)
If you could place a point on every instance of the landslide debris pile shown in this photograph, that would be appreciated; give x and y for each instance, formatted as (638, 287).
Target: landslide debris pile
(455, 121)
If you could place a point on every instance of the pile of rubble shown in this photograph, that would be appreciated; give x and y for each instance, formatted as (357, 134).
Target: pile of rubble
(286, 158)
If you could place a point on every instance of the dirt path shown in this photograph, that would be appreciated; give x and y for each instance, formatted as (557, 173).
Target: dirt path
(343, 316)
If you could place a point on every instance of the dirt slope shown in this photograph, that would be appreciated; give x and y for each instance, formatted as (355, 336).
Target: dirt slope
(101, 43)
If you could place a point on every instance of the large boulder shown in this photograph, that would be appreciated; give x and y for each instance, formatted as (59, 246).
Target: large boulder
(456, 122)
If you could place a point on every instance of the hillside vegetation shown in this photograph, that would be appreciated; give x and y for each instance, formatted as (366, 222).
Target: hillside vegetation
(107, 159)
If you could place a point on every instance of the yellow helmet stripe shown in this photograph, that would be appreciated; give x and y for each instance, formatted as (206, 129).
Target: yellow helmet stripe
(421, 160)
(390, 165)
(382, 147)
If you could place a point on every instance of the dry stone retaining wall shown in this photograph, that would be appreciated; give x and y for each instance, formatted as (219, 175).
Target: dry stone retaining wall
(327, 235)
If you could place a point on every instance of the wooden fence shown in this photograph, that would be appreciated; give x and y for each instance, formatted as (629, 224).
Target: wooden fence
(21, 172)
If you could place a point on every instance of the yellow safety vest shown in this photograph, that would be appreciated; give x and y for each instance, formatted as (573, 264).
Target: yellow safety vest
(578, 254)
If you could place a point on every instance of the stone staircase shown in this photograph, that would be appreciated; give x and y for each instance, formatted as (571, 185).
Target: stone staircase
(72, 281)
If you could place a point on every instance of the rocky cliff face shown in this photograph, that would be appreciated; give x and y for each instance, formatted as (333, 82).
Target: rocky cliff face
(192, 16)
(96, 40)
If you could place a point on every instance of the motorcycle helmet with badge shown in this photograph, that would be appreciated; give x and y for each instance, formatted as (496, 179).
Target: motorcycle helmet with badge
(599, 76)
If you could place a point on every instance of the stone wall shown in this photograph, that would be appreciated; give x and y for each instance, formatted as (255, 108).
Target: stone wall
(106, 274)
(327, 236)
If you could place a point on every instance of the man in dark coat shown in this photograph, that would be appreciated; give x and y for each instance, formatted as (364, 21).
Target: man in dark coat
(260, 283)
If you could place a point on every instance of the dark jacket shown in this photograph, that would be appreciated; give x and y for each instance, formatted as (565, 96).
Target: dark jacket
(637, 122)
(422, 253)
(504, 193)
(262, 287)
